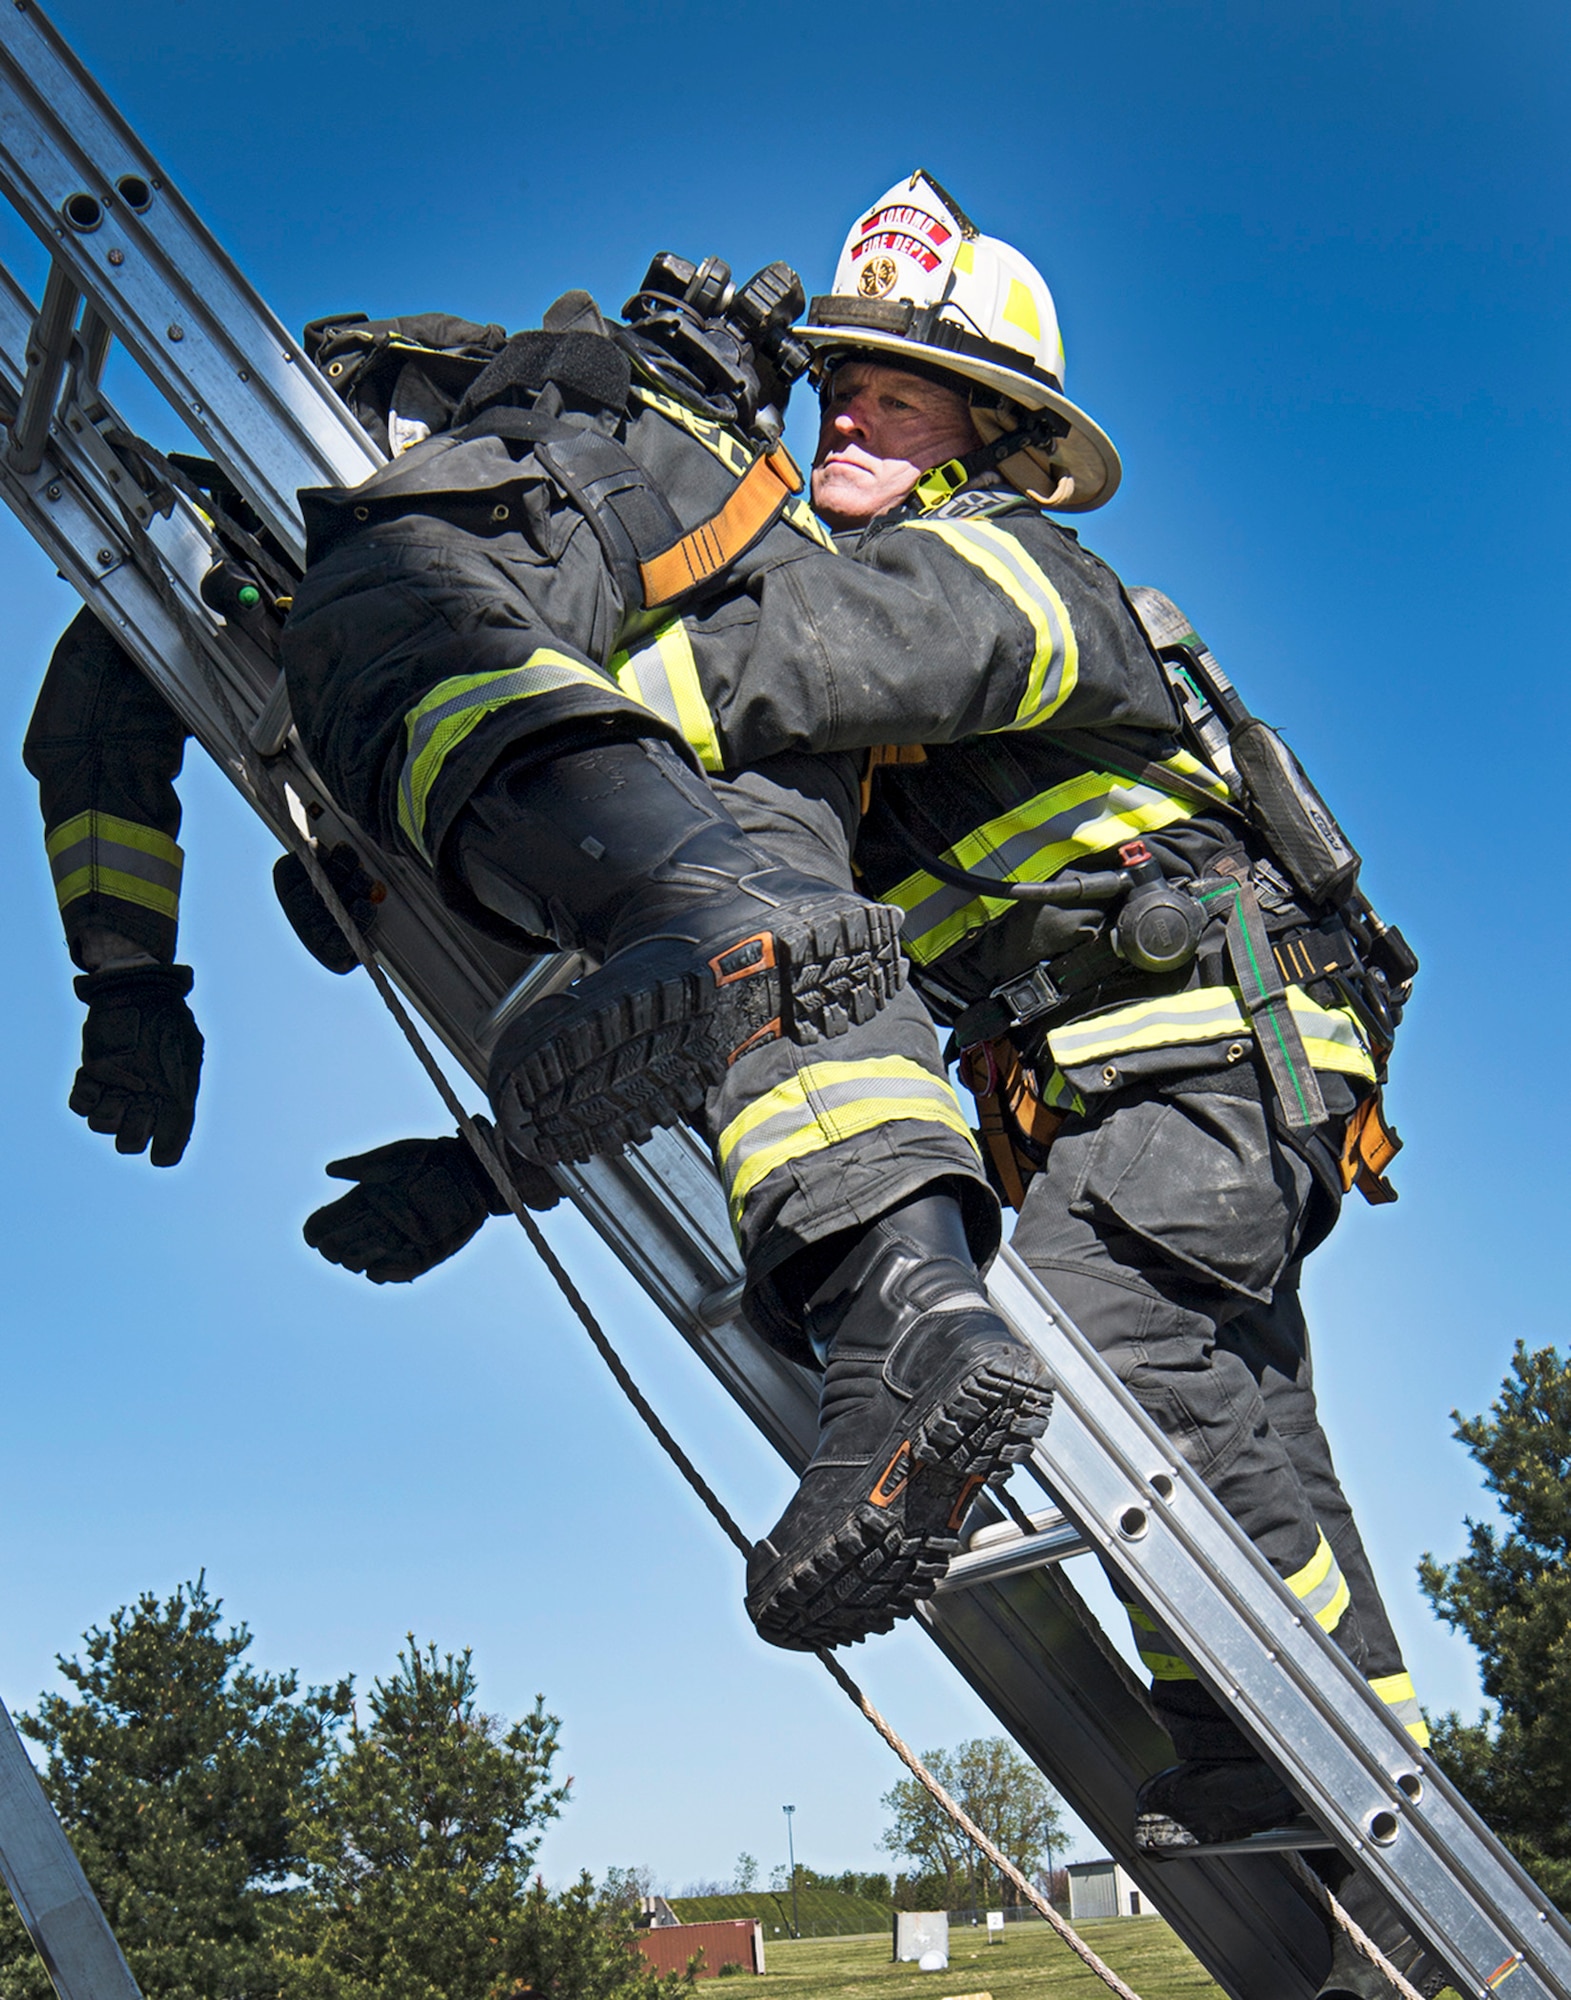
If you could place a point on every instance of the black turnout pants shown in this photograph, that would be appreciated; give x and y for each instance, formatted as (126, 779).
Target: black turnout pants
(1169, 1226)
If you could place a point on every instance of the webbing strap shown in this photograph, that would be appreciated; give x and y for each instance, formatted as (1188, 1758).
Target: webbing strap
(1264, 995)
(753, 505)
(1368, 1148)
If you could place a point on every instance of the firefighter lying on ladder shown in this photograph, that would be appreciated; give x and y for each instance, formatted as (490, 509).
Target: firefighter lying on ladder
(1142, 1017)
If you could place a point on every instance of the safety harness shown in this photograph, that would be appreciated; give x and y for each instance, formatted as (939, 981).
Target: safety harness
(525, 390)
(1240, 769)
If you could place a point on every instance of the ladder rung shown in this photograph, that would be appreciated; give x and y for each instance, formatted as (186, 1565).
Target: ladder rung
(48, 350)
(1002, 1550)
(1299, 1838)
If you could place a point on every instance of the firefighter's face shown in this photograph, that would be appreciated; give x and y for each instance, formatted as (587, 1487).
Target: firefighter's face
(881, 430)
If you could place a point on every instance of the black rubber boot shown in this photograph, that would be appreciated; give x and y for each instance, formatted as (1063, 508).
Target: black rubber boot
(708, 946)
(928, 1396)
(1352, 1975)
(1206, 1799)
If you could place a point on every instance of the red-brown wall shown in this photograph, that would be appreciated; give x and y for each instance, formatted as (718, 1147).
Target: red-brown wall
(734, 1941)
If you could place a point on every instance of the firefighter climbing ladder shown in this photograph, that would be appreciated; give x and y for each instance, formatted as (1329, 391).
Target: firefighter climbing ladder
(130, 263)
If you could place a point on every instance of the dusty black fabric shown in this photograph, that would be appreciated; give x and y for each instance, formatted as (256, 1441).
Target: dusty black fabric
(589, 369)
(423, 362)
(801, 809)
(103, 739)
(141, 1059)
(429, 587)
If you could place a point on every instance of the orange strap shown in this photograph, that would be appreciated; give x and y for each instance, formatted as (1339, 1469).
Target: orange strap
(754, 504)
(880, 754)
(1015, 1126)
(1368, 1148)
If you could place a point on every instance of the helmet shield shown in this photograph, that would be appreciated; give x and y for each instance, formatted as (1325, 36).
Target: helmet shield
(917, 283)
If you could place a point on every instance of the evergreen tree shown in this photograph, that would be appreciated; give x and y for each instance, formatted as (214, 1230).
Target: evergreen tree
(418, 1849)
(181, 1776)
(1511, 1595)
(576, 1946)
(1006, 1797)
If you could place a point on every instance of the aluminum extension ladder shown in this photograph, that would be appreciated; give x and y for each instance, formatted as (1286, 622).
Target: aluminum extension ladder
(131, 263)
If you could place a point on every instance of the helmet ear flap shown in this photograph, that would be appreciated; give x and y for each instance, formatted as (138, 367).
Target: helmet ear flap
(1033, 471)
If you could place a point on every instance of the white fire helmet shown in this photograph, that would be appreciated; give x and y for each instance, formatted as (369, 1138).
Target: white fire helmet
(917, 282)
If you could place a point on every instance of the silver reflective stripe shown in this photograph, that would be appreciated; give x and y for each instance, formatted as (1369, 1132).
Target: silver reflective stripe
(823, 1105)
(998, 556)
(456, 707)
(1202, 1016)
(100, 854)
(1157, 1647)
(1321, 1587)
(1332, 1040)
(663, 675)
(1401, 1698)
(1032, 842)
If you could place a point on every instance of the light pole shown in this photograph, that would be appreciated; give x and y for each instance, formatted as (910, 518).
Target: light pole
(796, 1928)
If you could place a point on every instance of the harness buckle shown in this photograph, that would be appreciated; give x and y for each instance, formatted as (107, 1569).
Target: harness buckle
(1029, 994)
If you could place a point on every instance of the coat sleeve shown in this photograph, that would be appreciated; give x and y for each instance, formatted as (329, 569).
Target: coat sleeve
(106, 748)
(929, 633)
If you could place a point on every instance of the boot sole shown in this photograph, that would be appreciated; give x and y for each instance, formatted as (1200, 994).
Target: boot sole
(869, 1572)
(606, 1067)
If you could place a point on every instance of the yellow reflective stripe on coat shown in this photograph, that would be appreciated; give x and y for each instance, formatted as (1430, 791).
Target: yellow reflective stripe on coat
(733, 455)
(1401, 1697)
(1321, 1587)
(1030, 843)
(98, 854)
(456, 707)
(1331, 1035)
(1157, 1647)
(663, 675)
(824, 1104)
(1055, 664)
(1183, 765)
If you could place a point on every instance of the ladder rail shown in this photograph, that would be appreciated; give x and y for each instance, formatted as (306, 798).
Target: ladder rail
(112, 221)
(1290, 1686)
(62, 1915)
(1023, 1641)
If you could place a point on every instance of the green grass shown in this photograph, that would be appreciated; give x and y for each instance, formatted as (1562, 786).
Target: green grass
(1030, 1964)
(823, 1913)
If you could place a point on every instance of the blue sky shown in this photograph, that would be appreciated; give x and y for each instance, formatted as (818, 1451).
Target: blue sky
(1311, 266)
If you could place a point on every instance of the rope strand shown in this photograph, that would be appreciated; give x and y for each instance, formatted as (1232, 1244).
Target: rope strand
(490, 1158)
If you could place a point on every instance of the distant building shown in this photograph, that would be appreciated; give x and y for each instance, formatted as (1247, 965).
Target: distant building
(655, 1913)
(1102, 1889)
(733, 1941)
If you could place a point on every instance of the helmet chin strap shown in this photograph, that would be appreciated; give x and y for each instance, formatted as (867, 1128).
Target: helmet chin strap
(942, 482)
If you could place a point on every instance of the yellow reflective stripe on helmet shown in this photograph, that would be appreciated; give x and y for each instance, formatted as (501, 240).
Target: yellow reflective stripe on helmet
(1030, 843)
(1020, 311)
(732, 454)
(1401, 1697)
(1321, 1587)
(1331, 1036)
(1152, 1642)
(1055, 665)
(99, 854)
(824, 1104)
(456, 707)
(663, 675)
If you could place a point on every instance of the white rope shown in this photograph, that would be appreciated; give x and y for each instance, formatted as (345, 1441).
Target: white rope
(490, 1158)
(1361, 1939)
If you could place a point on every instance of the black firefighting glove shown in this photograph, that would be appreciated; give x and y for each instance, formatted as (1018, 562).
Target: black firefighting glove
(141, 1059)
(419, 1201)
(309, 917)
